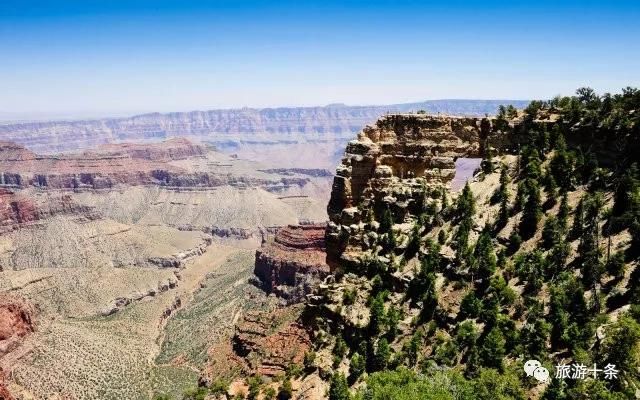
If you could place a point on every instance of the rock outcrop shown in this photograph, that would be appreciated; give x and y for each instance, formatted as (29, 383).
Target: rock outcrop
(269, 342)
(397, 164)
(20, 209)
(291, 263)
(16, 321)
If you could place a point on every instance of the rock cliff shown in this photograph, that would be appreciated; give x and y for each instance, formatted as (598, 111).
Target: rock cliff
(395, 165)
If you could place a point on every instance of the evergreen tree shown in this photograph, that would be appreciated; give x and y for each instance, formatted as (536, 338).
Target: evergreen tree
(493, 350)
(485, 257)
(393, 318)
(557, 258)
(254, 387)
(532, 211)
(286, 390)
(551, 233)
(615, 265)
(466, 205)
(520, 197)
(502, 191)
(444, 200)
(561, 165)
(588, 249)
(563, 212)
(386, 222)
(383, 354)
(558, 316)
(357, 366)
(377, 318)
(578, 220)
(626, 206)
(339, 389)
(622, 350)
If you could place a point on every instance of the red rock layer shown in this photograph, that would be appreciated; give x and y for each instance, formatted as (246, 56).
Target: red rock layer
(104, 167)
(297, 252)
(16, 321)
(18, 209)
(4, 392)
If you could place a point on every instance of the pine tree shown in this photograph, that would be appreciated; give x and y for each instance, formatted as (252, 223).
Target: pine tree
(626, 206)
(622, 349)
(578, 220)
(386, 222)
(588, 249)
(561, 165)
(551, 233)
(383, 355)
(493, 350)
(444, 199)
(286, 390)
(339, 389)
(532, 211)
(485, 257)
(377, 318)
(624, 190)
(357, 367)
(558, 316)
(520, 197)
(563, 212)
(466, 205)
(502, 193)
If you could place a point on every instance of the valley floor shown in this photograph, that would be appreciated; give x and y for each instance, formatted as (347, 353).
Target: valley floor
(156, 343)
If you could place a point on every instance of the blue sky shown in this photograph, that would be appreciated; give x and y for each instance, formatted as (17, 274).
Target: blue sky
(118, 56)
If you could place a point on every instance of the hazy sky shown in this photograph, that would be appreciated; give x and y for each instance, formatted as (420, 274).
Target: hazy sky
(120, 56)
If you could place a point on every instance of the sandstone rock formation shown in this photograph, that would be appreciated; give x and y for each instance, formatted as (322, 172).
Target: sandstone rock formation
(396, 164)
(293, 261)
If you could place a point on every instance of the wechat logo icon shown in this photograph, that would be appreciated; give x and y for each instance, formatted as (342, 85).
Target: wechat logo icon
(534, 368)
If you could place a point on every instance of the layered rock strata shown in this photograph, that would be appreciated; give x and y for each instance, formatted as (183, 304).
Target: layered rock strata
(293, 261)
(19, 209)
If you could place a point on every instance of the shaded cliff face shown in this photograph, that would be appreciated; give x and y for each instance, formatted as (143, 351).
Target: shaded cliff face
(394, 165)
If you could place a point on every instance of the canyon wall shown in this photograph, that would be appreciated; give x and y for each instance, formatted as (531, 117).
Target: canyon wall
(232, 128)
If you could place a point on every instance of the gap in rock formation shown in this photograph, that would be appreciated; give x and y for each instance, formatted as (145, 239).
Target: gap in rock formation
(465, 169)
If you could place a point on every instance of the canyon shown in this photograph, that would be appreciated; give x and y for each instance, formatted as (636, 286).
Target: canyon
(179, 247)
